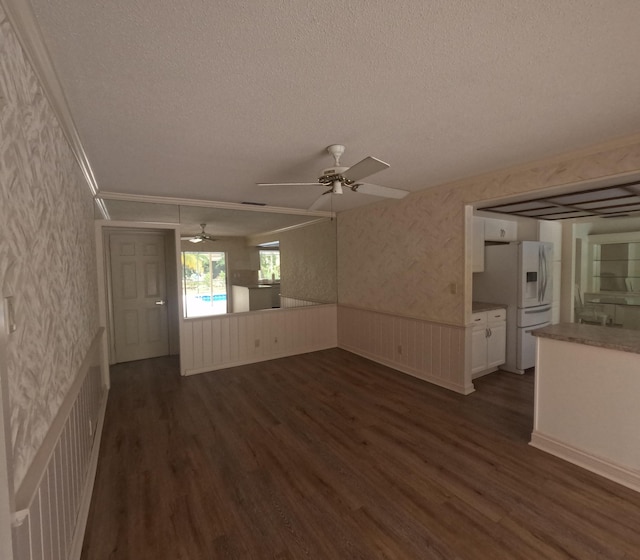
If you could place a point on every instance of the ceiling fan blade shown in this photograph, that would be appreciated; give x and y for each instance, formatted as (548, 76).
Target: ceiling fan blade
(379, 190)
(320, 201)
(368, 166)
(288, 184)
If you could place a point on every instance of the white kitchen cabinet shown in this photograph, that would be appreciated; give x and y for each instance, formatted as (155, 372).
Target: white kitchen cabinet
(479, 343)
(477, 244)
(500, 230)
(489, 339)
(497, 339)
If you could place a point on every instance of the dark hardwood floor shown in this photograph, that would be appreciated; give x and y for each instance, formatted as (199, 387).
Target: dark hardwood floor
(331, 456)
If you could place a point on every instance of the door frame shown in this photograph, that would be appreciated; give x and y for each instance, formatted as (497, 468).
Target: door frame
(7, 495)
(102, 230)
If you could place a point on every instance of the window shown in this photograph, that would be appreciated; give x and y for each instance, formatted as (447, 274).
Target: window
(269, 265)
(205, 283)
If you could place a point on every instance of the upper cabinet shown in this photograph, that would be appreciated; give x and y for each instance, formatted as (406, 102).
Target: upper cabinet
(489, 229)
(500, 230)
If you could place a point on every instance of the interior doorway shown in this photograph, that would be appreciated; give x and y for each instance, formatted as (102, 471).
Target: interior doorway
(138, 288)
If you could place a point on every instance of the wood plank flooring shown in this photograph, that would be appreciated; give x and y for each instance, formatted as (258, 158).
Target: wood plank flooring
(331, 456)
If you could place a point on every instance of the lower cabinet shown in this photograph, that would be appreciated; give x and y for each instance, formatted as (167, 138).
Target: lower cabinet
(489, 341)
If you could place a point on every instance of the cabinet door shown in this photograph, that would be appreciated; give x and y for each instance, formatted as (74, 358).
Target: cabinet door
(478, 349)
(500, 230)
(496, 344)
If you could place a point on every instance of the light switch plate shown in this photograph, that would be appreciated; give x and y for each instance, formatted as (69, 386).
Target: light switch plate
(10, 316)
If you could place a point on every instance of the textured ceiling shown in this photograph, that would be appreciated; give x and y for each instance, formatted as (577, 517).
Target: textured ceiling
(204, 99)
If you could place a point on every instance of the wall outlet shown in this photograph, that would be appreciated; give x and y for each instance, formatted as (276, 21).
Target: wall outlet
(90, 428)
(453, 288)
(257, 343)
(275, 340)
(400, 349)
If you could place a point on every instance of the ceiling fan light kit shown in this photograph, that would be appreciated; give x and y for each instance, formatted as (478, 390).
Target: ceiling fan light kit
(199, 237)
(338, 177)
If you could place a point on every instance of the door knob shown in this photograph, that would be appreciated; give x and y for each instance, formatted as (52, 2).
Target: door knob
(161, 302)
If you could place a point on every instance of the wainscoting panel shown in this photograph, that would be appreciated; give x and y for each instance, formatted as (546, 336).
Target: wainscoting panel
(53, 501)
(431, 351)
(221, 341)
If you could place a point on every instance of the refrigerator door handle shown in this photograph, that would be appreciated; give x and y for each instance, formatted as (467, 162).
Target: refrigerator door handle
(540, 274)
(545, 280)
(543, 310)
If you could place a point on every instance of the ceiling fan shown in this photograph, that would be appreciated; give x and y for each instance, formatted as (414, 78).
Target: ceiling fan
(198, 237)
(338, 177)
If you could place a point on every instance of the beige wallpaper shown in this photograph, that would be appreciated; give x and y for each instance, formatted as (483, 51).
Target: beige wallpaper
(47, 260)
(308, 262)
(407, 257)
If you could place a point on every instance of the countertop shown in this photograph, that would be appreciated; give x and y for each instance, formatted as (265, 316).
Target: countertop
(617, 300)
(478, 306)
(258, 286)
(625, 340)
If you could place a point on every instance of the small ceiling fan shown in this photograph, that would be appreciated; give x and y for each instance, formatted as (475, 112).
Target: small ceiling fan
(338, 177)
(198, 237)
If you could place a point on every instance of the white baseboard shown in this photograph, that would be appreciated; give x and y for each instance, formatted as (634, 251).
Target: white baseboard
(87, 492)
(621, 475)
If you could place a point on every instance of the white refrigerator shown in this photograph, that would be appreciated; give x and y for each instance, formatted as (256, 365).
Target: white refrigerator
(518, 276)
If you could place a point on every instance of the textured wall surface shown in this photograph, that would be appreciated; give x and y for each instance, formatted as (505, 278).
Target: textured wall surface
(406, 257)
(308, 262)
(47, 259)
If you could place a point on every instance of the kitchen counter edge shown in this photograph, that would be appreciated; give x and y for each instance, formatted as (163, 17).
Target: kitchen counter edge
(624, 340)
(479, 306)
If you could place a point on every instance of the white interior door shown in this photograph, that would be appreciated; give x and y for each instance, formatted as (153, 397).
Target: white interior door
(139, 295)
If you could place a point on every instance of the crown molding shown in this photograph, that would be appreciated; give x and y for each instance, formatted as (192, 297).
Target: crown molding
(25, 26)
(104, 195)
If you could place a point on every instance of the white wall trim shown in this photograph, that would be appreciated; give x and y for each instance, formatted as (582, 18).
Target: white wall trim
(102, 229)
(214, 204)
(434, 352)
(584, 459)
(7, 501)
(51, 516)
(87, 492)
(33, 476)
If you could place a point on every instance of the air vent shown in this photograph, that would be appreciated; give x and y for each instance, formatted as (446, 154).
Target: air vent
(254, 203)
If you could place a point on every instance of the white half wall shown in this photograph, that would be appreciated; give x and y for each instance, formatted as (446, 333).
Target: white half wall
(431, 351)
(222, 341)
